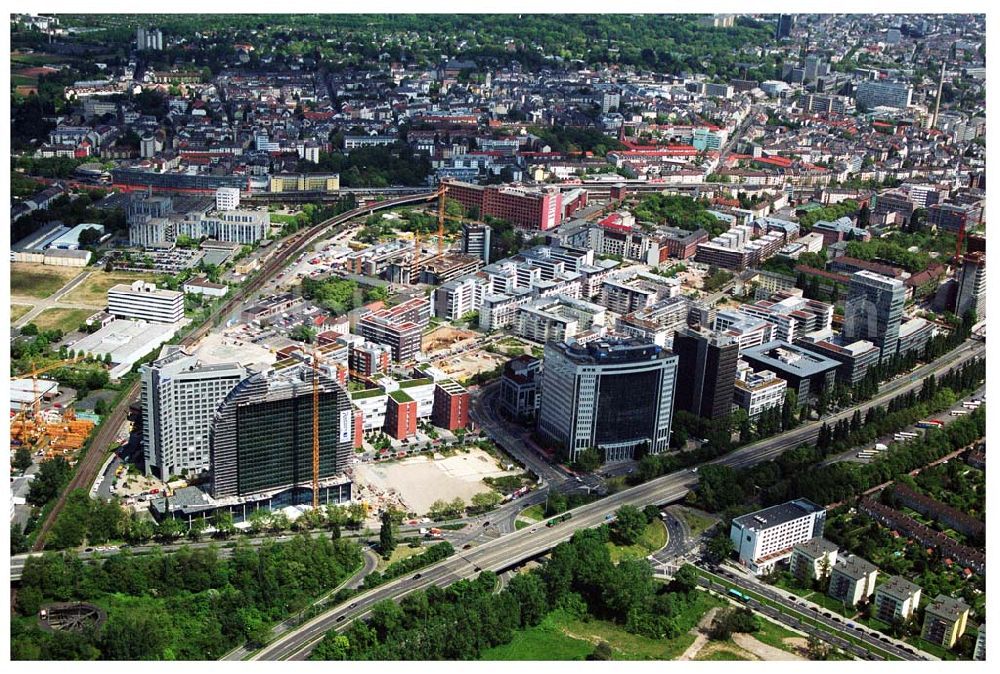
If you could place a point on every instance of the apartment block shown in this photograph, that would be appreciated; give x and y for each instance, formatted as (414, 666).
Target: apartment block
(852, 580)
(945, 620)
(451, 405)
(399, 327)
(896, 600)
(813, 559)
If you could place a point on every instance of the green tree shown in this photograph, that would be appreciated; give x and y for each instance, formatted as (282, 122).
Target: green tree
(628, 526)
(223, 523)
(387, 541)
(486, 501)
(22, 459)
(588, 460)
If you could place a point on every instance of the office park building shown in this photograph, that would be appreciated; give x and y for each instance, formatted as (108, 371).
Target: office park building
(262, 436)
(612, 394)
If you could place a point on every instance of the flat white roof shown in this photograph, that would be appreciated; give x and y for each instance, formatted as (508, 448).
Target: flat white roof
(127, 341)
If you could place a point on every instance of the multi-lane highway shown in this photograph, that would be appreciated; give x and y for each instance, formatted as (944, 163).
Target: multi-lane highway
(528, 543)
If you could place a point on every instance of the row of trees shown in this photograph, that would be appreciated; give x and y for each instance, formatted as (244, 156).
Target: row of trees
(579, 578)
(190, 605)
(796, 473)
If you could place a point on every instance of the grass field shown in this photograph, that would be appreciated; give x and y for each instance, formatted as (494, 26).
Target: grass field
(18, 310)
(400, 553)
(95, 289)
(66, 320)
(562, 637)
(697, 522)
(37, 280)
(653, 538)
(720, 653)
(774, 635)
(36, 59)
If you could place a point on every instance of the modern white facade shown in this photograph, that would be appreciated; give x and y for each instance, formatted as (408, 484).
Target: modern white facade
(757, 392)
(179, 398)
(145, 302)
(765, 537)
(227, 198)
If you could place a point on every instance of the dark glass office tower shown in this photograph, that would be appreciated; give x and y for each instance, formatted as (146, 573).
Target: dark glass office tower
(706, 372)
(262, 434)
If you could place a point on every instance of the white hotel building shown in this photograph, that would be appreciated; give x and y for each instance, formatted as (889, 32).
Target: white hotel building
(765, 537)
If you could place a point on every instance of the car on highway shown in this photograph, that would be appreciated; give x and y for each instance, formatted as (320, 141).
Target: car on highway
(341, 618)
(486, 523)
(353, 605)
(417, 576)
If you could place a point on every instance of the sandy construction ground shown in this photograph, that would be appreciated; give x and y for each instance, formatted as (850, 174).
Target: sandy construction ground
(420, 480)
(445, 337)
(464, 365)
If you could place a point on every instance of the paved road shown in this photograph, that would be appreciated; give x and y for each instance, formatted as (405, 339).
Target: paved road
(826, 618)
(514, 440)
(532, 542)
(52, 300)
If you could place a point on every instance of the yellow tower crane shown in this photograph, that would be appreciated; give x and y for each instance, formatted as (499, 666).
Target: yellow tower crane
(315, 456)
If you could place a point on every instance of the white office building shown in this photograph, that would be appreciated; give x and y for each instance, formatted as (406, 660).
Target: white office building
(144, 301)
(757, 392)
(766, 537)
(179, 396)
(227, 198)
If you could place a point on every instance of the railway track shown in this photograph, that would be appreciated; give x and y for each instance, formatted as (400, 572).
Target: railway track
(87, 469)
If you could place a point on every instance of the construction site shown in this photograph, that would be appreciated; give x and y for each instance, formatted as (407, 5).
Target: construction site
(48, 433)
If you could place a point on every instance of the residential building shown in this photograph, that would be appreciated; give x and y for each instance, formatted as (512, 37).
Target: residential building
(807, 373)
(707, 367)
(558, 318)
(852, 580)
(757, 392)
(763, 538)
(262, 434)
(144, 301)
(400, 415)
(451, 405)
(659, 322)
(615, 395)
(945, 620)
(179, 396)
(367, 359)
(459, 297)
(813, 559)
(624, 293)
(791, 314)
(747, 330)
(875, 94)
(896, 600)
(979, 653)
(874, 311)
(399, 327)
